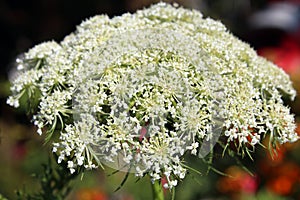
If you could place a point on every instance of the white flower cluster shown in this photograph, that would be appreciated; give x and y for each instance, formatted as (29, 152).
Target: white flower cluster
(139, 91)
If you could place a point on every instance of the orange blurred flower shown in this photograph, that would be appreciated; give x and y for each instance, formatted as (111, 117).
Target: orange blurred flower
(282, 178)
(282, 185)
(91, 194)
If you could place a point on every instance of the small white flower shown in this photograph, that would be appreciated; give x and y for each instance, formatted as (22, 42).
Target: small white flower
(80, 160)
(166, 186)
(255, 139)
(72, 170)
(70, 164)
(13, 102)
(39, 131)
(193, 148)
(173, 183)
(54, 149)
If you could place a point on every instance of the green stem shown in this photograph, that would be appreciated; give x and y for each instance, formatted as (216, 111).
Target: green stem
(158, 193)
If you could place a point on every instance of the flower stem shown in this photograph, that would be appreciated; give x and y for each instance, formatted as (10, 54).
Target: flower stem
(158, 193)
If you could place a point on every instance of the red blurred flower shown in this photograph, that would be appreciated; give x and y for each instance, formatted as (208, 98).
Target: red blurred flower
(286, 55)
(238, 182)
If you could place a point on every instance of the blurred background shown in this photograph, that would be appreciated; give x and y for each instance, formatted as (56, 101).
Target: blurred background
(272, 27)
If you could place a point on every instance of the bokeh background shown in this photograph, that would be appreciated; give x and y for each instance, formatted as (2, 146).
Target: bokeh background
(272, 27)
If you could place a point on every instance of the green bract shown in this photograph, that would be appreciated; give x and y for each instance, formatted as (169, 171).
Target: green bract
(139, 91)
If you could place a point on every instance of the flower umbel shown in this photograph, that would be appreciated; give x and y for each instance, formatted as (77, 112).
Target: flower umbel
(139, 91)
